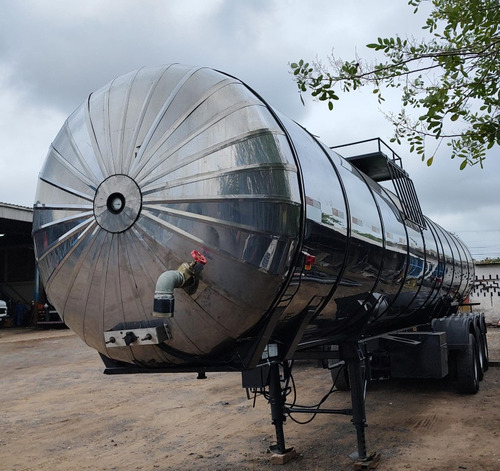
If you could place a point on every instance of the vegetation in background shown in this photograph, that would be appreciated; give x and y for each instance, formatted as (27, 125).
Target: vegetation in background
(449, 81)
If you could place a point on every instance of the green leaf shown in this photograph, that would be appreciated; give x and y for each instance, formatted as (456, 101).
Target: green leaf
(452, 72)
(429, 161)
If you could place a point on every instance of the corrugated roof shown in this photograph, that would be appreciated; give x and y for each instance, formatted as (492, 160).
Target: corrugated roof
(16, 212)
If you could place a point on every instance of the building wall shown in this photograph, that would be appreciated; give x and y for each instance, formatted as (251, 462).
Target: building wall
(486, 291)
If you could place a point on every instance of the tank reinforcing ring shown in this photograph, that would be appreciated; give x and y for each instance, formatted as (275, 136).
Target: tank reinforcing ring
(117, 203)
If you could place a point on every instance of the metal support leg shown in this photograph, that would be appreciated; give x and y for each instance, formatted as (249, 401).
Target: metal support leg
(353, 356)
(277, 412)
(281, 454)
(356, 381)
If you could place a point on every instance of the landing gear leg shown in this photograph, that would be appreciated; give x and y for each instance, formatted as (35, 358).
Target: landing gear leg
(353, 356)
(281, 454)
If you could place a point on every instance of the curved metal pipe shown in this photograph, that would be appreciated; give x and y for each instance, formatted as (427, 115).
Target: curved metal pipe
(163, 303)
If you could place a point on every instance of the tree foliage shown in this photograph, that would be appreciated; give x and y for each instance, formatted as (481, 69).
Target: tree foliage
(449, 81)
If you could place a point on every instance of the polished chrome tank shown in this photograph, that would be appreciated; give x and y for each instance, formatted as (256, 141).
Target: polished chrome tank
(301, 248)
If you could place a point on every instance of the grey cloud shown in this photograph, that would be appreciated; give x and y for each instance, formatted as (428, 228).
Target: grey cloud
(53, 53)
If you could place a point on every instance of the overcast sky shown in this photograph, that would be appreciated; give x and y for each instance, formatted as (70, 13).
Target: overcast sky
(54, 53)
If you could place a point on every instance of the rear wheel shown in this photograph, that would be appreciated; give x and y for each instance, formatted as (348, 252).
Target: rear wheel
(468, 368)
(485, 352)
(340, 378)
(482, 347)
(484, 343)
(481, 360)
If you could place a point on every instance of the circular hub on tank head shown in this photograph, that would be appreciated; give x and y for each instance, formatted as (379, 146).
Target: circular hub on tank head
(117, 203)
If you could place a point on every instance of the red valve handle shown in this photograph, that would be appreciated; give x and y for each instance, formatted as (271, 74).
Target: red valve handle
(198, 257)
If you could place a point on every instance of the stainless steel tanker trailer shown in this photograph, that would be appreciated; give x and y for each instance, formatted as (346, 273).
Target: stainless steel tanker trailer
(183, 224)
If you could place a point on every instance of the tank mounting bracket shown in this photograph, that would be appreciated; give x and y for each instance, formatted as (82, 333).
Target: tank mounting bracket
(132, 337)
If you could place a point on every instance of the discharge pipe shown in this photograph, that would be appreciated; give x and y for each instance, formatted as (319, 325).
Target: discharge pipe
(185, 277)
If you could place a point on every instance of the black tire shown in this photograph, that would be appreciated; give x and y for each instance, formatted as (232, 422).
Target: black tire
(482, 347)
(486, 352)
(481, 360)
(340, 378)
(484, 343)
(468, 368)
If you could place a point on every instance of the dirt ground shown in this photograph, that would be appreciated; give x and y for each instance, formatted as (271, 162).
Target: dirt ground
(59, 412)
